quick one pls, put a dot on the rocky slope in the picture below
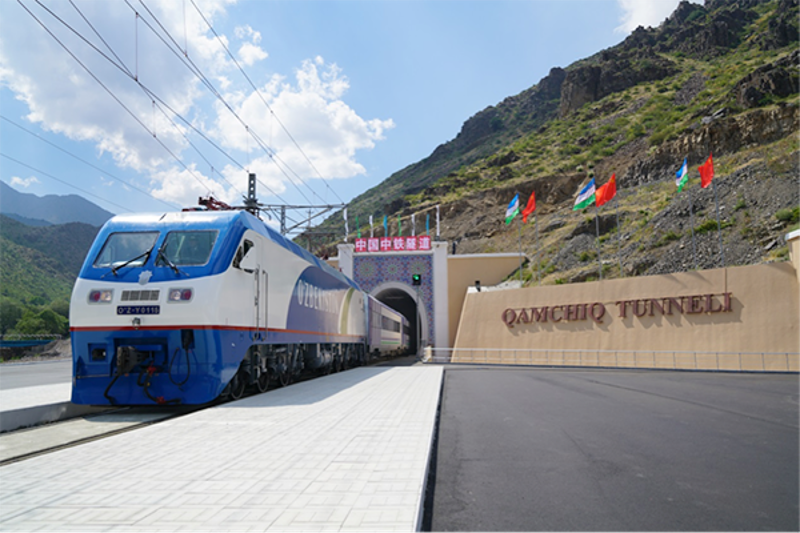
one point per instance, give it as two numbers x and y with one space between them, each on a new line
720 78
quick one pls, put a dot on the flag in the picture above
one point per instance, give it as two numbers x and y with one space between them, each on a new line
585 197
399 226
706 172
413 225
371 233
385 226
428 223
437 221
513 209
346 230
358 228
606 192
529 209
682 176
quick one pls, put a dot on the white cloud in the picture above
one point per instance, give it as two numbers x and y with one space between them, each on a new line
62 97
185 186
647 13
250 53
328 130
24 182
243 32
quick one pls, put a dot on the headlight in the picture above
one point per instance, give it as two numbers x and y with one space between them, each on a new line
180 295
101 296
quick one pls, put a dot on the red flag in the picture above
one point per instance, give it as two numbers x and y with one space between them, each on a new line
706 172
607 191
530 208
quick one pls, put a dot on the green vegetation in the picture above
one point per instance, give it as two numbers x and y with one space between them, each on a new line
789 216
711 225
38 267
668 238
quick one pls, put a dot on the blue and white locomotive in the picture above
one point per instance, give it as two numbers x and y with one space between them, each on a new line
187 307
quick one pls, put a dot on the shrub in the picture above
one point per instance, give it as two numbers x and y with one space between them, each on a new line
788 216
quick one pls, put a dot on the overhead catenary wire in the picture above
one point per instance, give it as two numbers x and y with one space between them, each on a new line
122 67
114 96
105 172
43 173
126 71
204 79
266 104
147 91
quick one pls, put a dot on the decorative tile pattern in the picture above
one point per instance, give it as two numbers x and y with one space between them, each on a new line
372 270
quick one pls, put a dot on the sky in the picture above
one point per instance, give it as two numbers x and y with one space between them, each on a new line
146 105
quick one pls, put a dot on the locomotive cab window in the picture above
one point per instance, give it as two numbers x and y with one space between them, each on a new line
241 252
128 248
186 248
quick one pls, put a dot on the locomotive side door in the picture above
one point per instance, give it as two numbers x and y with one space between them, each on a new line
251 263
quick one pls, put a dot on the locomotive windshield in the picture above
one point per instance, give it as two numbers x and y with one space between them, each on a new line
186 248
126 248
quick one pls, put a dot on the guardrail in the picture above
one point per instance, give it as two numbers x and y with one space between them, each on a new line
652 359
22 340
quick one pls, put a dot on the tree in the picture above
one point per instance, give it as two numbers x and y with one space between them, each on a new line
10 313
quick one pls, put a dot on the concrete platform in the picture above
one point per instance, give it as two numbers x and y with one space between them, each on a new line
345 452
30 406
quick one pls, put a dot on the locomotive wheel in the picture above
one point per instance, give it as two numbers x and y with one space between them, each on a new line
262 383
238 384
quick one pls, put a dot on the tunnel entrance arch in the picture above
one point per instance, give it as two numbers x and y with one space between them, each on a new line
403 298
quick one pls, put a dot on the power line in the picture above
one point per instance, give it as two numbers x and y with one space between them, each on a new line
204 79
86 162
263 100
152 95
43 173
110 92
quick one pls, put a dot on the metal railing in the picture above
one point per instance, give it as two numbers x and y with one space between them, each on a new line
652 359
24 340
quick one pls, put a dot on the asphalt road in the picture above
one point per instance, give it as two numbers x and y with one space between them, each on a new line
580 450
35 373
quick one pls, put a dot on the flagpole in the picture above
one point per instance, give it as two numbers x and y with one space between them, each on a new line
719 226
536 226
519 225
597 241
619 239
691 222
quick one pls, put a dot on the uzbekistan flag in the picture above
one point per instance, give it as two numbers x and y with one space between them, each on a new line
585 197
682 176
513 209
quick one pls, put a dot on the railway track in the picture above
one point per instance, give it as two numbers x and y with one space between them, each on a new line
31 442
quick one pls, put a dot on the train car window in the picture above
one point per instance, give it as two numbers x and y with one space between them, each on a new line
187 248
123 247
390 325
241 252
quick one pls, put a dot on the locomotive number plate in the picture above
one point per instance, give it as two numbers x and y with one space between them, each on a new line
138 309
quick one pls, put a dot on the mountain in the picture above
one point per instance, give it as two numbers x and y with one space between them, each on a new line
38 265
53 209
718 78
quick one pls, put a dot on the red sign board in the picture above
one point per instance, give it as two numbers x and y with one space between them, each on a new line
421 243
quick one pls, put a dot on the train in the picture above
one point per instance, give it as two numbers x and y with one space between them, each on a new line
189 307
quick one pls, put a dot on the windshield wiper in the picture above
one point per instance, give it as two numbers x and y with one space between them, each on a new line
163 256
114 268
